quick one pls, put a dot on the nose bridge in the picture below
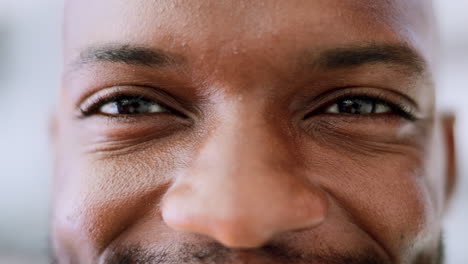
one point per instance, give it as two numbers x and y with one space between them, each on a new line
248 142
243 186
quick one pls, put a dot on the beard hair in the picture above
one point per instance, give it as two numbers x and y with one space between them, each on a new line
215 253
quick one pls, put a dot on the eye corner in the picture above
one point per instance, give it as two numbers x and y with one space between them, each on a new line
83 113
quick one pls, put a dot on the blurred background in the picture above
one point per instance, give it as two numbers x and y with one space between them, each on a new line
29 80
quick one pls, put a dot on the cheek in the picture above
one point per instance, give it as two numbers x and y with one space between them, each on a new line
385 194
397 201
99 195
400 208
379 178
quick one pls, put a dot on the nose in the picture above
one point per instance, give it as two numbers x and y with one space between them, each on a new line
243 188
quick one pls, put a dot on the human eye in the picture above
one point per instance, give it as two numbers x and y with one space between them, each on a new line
124 102
369 106
132 114
363 118
131 105
363 106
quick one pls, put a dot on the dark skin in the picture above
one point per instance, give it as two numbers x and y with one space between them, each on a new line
250 132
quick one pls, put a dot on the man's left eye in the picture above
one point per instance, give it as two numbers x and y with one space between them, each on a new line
359 106
131 106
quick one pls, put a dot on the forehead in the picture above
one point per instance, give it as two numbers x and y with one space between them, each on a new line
210 23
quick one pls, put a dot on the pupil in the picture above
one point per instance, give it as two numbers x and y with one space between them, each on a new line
357 106
133 106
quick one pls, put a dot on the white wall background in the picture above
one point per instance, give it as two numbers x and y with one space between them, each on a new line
29 73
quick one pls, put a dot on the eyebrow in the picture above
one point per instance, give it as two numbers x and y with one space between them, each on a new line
355 56
126 54
333 58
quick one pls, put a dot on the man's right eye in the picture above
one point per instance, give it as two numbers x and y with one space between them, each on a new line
131 105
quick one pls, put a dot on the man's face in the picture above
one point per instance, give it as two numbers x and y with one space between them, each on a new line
249 132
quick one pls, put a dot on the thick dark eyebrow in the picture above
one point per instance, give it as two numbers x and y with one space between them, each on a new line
335 58
354 56
126 54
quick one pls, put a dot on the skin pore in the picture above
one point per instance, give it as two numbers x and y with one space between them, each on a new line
260 132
